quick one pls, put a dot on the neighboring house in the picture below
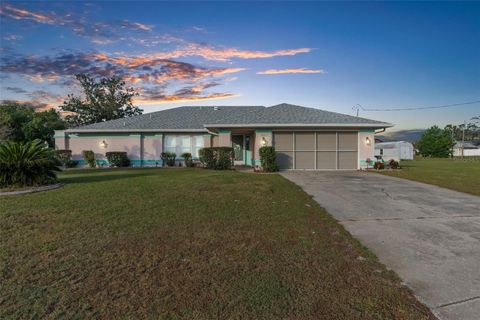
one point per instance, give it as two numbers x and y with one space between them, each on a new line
396 150
467 149
305 138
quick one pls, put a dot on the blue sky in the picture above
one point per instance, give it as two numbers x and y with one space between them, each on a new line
326 55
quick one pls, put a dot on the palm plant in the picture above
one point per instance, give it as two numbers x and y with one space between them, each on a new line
27 164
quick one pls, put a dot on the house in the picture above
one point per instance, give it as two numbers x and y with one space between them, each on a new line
305 138
396 150
466 149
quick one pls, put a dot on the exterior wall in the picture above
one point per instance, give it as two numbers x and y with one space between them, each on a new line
215 141
457 152
152 146
207 140
365 150
61 140
257 143
225 138
132 144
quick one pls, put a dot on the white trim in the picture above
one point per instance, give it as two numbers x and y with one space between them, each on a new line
294 165
133 130
315 148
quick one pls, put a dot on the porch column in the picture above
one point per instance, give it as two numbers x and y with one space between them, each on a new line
225 138
366 148
262 138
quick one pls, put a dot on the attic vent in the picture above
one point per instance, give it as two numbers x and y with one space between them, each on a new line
150 116
124 123
215 108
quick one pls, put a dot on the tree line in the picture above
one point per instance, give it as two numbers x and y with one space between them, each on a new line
101 100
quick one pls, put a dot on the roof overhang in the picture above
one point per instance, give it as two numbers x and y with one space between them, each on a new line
302 125
131 130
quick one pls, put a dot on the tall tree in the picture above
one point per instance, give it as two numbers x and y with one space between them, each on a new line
20 123
103 100
436 142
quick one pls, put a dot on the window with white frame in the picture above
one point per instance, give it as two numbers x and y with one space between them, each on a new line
183 143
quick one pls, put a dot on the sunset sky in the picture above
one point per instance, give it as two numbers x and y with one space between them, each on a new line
330 56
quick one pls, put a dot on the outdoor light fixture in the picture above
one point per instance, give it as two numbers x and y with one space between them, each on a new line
103 144
367 141
264 141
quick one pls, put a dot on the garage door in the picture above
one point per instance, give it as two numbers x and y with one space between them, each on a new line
316 149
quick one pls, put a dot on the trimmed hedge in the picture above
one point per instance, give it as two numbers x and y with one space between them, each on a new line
118 159
187 157
268 159
169 158
65 158
89 157
217 158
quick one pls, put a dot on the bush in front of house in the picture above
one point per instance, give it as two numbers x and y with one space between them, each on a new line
27 164
268 159
217 158
65 158
117 159
393 164
169 158
379 165
89 157
187 157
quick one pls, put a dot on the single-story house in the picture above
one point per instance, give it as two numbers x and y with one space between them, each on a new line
466 149
304 138
396 150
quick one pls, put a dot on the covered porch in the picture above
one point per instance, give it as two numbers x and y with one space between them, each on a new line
245 142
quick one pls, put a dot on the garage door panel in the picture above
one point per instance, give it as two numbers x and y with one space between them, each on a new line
326 141
347 141
305 141
326 160
283 141
285 160
347 160
304 160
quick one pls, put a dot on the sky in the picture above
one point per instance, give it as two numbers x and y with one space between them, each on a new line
326 55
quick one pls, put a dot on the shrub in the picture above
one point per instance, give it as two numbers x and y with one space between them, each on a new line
393 164
71 164
187 157
379 165
64 156
207 158
169 158
218 158
27 164
268 159
117 159
89 157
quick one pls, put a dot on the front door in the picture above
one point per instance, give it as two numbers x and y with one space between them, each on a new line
237 143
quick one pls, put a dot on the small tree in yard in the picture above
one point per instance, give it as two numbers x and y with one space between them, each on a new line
436 142
268 158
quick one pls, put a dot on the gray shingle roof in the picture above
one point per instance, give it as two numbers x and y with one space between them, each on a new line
197 118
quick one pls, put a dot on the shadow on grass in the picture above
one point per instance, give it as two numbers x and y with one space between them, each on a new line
92 176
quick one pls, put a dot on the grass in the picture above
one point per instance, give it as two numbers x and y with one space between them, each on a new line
189 244
457 174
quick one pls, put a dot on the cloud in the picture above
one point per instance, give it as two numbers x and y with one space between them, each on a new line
291 70
96 32
16 90
38 106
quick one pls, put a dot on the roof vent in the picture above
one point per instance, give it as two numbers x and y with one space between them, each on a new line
124 123
215 108
150 116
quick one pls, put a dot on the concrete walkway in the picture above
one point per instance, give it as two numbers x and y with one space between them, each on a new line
428 235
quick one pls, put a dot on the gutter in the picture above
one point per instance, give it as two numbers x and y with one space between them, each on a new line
305 125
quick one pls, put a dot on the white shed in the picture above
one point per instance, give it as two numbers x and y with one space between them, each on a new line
467 149
397 150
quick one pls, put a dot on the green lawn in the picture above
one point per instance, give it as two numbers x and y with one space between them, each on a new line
190 244
457 174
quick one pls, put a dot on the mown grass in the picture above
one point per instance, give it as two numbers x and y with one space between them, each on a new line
452 173
190 244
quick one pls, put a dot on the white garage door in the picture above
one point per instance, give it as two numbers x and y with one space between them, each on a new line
319 150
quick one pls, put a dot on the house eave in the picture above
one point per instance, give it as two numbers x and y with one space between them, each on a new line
132 130
302 125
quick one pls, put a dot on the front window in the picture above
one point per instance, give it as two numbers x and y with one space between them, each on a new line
183 143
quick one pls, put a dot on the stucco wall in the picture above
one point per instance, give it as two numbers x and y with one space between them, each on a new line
366 151
259 135
152 149
225 138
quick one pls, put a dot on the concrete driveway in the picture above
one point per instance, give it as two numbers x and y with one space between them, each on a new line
428 235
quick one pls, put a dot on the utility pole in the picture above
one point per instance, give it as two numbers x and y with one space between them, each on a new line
463 137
